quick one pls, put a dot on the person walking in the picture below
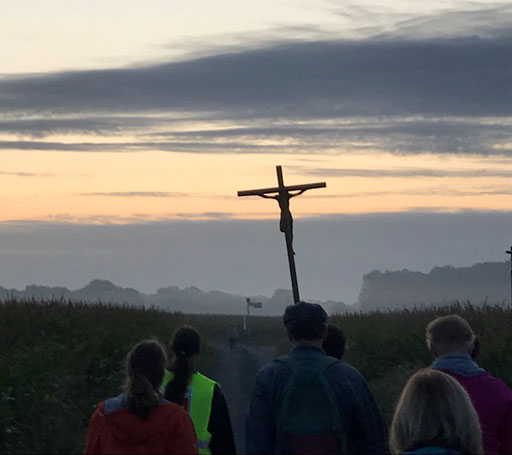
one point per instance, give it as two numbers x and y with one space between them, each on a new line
435 415
452 343
334 343
140 421
232 337
199 395
310 403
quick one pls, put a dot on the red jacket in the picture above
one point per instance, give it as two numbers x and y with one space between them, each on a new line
168 429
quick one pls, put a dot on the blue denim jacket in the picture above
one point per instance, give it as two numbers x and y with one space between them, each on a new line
366 432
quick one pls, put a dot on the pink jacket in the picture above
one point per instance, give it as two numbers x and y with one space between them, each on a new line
491 398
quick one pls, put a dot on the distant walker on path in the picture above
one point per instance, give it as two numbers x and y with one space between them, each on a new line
232 337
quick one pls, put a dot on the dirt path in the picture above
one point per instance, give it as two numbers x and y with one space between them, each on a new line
235 372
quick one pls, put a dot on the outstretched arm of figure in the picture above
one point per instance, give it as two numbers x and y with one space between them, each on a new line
266 196
298 193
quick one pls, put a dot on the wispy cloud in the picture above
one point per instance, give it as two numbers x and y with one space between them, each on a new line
406 172
27 174
447 192
398 135
485 136
44 125
207 215
68 218
142 146
141 218
471 20
132 194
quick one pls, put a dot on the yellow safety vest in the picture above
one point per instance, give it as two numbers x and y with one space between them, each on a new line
198 403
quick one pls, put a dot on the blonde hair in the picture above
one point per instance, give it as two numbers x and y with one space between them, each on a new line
434 410
450 334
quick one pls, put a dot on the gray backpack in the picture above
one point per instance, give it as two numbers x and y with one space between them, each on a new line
309 421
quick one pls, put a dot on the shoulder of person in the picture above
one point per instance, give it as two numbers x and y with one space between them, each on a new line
171 410
345 369
99 410
268 371
501 388
346 376
112 404
206 379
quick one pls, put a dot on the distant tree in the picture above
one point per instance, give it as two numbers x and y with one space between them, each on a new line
487 282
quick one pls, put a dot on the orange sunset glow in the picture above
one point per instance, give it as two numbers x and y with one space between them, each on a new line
152 185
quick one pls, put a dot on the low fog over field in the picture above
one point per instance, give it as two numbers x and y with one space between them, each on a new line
249 257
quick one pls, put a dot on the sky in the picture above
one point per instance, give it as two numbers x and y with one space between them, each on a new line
127 116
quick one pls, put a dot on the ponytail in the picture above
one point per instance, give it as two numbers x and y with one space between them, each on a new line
185 343
145 366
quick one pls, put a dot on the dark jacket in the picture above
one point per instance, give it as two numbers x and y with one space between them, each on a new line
219 425
365 430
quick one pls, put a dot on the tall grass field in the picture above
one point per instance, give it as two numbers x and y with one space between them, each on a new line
57 360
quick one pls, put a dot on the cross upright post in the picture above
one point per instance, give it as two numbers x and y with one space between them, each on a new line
510 252
282 194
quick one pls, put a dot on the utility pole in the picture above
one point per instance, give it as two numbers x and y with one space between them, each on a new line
282 194
510 253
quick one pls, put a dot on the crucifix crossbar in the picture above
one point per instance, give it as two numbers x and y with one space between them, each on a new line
282 194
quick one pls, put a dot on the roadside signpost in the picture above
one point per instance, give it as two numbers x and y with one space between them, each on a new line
246 316
282 194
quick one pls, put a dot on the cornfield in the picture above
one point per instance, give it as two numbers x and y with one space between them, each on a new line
58 359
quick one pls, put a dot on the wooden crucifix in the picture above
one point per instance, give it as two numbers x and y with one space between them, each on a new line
282 194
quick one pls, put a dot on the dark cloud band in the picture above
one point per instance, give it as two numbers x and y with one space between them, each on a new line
401 93
466 76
